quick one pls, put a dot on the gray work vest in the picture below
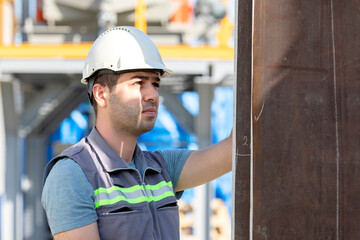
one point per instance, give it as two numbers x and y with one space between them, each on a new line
129 206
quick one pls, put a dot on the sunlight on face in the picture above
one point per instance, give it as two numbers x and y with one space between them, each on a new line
134 101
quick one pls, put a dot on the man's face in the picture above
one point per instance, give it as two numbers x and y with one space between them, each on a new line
134 102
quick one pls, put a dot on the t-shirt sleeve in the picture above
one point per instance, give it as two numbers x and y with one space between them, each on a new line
68 197
175 160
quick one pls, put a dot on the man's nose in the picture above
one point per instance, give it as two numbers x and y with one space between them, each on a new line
150 93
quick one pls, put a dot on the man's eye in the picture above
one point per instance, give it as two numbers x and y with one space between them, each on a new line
138 83
157 85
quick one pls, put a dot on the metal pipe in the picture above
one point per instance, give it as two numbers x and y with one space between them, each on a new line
140 15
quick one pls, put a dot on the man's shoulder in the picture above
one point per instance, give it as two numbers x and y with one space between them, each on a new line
166 154
73 150
172 154
66 163
67 188
65 167
67 157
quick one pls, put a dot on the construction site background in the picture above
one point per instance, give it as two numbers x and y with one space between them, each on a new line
196 32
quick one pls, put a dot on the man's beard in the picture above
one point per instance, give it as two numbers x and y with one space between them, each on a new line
125 117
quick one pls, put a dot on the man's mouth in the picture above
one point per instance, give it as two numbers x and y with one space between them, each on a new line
150 111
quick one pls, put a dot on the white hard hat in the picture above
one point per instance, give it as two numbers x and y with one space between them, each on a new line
123 49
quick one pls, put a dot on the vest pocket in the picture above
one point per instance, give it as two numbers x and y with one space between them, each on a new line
121 210
168 215
168 205
125 223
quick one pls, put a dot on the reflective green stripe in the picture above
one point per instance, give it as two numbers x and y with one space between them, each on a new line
113 188
160 197
134 194
134 201
159 185
133 188
118 199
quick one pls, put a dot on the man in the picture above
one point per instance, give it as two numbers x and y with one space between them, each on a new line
105 187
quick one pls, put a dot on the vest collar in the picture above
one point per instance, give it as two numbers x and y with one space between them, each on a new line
109 158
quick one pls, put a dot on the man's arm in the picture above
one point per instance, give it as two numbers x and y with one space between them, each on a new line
87 232
68 199
205 165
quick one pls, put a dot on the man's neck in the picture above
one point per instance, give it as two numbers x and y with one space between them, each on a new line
123 144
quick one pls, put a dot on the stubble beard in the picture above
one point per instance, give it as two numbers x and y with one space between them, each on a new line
127 118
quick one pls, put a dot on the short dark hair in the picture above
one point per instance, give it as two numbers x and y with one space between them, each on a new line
107 80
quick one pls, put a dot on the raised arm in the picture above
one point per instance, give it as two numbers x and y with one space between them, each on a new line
205 165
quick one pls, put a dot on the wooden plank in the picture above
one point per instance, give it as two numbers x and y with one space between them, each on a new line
305 114
294 129
347 69
241 153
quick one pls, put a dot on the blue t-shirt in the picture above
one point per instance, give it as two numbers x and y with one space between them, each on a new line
68 197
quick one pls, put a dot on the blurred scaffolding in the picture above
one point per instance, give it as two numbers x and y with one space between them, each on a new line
44 107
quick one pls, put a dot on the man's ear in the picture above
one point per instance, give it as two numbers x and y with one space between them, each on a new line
100 95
